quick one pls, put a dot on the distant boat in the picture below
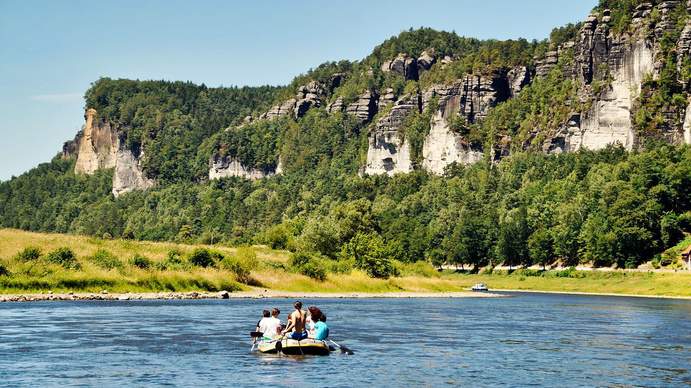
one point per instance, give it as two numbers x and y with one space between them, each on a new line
480 287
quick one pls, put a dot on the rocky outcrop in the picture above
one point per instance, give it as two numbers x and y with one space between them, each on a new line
518 78
283 109
687 124
684 51
308 96
442 147
471 96
97 147
545 65
389 151
426 60
365 107
403 65
128 175
227 166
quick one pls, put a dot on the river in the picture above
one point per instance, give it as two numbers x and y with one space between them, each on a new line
521 340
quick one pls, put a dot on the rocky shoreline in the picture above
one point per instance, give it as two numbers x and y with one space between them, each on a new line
256 294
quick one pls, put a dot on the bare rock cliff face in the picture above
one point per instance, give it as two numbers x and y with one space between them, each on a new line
98 146
388 151
609 119
128 175
225 167
443 147
687 125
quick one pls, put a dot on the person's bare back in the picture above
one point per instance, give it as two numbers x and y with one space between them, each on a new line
299 321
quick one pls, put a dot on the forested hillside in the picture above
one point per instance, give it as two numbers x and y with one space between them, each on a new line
345 161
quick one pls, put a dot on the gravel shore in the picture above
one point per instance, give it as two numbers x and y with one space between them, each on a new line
254 294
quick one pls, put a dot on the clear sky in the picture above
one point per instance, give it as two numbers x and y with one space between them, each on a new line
50 50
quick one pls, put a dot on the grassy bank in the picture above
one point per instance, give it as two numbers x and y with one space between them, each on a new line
270 270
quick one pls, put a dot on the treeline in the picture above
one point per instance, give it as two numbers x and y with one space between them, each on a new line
607 207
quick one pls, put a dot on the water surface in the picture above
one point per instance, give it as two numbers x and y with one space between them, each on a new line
527 339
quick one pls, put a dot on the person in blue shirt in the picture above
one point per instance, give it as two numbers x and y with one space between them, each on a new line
318 330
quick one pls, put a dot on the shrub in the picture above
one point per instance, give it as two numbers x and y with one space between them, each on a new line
28 254
242 263
174 261
201 257
65 257
3 270
570 272
106 260
308 264
419 268
275 236
141 262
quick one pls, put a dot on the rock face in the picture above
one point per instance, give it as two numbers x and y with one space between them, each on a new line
365 107
128 175
442 147
471 96
518 78
224 167
687 125
403 65
426 60
389 152
99 146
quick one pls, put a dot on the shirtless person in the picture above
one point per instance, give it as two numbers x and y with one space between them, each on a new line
296 324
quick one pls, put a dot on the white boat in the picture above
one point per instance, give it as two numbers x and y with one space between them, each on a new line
480 287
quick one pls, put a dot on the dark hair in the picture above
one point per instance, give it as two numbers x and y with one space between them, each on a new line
322 318
315 312
275 312
298 305
266 313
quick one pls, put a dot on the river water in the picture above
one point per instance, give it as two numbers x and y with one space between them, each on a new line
522 340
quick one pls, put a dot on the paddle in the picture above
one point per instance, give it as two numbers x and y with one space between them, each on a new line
343 348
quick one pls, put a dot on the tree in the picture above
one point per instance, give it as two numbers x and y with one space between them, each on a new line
540 247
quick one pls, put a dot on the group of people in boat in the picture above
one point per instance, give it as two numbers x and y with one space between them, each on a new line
301 324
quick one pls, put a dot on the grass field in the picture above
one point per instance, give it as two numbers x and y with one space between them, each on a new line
40 275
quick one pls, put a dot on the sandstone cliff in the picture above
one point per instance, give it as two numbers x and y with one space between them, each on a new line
98 146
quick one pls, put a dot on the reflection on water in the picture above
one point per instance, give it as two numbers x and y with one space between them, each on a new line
522 340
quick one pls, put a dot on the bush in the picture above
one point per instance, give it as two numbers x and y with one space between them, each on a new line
570 272
3 270
141 262
28 254
201 257
275 236
106 260
174 261
309 265
242 263
65 257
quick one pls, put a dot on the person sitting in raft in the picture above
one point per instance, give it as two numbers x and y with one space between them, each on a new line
265 314
320 330
296 323
270 326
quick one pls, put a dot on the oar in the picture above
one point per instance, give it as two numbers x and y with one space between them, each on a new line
343 348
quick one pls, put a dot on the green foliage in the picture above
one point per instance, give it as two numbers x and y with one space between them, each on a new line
371 255
63 256
3 270
173 262
141 262
30 253
201 257
308 264
242 263
106 260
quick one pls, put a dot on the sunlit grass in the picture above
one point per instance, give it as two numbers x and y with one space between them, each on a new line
273 273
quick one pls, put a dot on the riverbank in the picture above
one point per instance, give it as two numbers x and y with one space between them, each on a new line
254 294
119 276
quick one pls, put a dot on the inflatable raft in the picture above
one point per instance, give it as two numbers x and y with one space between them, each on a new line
293 347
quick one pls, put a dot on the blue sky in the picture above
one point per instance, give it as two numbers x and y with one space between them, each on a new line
50 51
